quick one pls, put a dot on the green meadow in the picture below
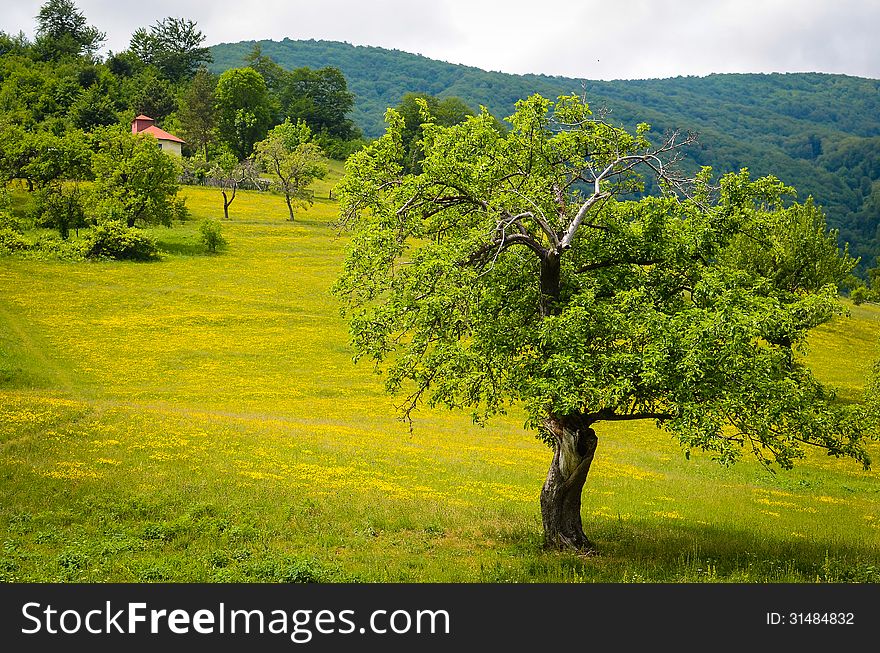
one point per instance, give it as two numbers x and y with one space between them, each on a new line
200 419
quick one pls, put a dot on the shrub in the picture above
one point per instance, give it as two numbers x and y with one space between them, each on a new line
11 241
858 295
180 209
212 239
9 221
114 241
862 294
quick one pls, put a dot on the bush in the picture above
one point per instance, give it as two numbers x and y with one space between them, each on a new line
9 221
858 295
212 239
11 241
114 241
180 209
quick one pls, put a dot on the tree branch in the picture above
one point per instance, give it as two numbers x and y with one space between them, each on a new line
609 415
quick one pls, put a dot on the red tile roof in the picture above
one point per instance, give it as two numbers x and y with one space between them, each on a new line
161 134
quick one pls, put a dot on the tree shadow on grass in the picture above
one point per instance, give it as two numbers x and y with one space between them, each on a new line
178 248
647 551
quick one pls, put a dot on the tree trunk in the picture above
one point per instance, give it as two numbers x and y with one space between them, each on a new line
561 496
289 207
550 283
226 203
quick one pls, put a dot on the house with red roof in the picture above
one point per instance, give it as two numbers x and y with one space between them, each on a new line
167 142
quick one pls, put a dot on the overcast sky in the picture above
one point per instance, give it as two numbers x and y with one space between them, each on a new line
589 39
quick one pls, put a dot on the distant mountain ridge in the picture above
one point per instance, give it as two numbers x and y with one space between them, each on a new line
817 132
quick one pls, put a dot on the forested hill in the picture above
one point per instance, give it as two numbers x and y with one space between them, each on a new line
817 132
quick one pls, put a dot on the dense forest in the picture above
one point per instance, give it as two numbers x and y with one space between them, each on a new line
820 133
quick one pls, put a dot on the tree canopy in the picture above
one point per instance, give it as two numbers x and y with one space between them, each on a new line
63 29
135 182
173 45
320 98
448 111
244 109
197 112
511 269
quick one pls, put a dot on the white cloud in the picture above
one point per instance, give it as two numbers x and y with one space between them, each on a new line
594 39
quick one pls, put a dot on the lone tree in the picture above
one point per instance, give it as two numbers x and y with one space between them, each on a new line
135 182
517 268
229 174
294 161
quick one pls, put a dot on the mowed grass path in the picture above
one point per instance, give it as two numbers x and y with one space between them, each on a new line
199 419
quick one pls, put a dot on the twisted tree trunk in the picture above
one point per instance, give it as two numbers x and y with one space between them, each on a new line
561 496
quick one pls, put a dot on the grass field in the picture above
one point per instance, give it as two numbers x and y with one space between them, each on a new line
199 419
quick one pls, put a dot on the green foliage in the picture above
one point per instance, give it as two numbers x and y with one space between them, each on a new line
60 207
511 271
197 112
289 154
41 157
93 108
173 46
211 235
7 219
792 247
134 180
11 240
112 240
244 109
339 149
320 98
62 29
154 96
416 108
860 295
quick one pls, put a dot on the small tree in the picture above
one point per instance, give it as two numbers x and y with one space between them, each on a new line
228 174
62 207
211 235
134 180
512 269
289 155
